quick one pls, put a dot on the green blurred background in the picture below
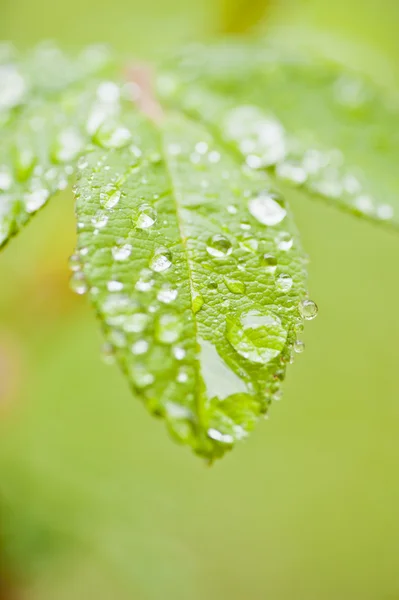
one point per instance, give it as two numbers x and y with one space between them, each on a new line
96 501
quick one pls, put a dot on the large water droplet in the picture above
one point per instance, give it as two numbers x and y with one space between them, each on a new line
219 246
108 353
111 199
114 286
258 337
146 217
267 208
292 171
162 260
168 328
308 309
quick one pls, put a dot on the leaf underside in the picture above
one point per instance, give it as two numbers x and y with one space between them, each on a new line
46 103
308 121
195 269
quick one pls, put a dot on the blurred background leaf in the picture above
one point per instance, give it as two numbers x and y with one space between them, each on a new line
96 502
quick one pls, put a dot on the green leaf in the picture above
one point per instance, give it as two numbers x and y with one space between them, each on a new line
195 269
308 121
50 106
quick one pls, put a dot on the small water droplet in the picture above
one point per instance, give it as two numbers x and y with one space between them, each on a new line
5 178
99 220
201 147
267 208
292 171
271 263
136 323
167 294
232 210
182 376
145 283
218 436
146 217
74 262
82 163
284 241
168 328
214 157
108 353
112 199
284 283
35 200
235 286
162 260
140 347
308 309
68 145
78 283
114 286
219 246
179 353
299 346
112 137
121 253
141 377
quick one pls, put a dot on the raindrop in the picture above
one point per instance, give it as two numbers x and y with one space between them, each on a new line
197 302
179 353
78 283
284 241
308 309
114 286
284 283
384 212
235 287
168 329
258 337
291 171
140 347
112 199
68 145
145 283
267 208
108 353
74 262
136 323
162 260
146 217
121 253
35 200
270 262
299 346
141 377
218 436
5 178
99 220
232 210
182 376
219 246
167 294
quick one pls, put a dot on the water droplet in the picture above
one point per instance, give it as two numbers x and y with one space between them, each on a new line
111 200
308 309
112 137
182 376
146 217
167 294
292 171
232 210
145 283
270 262
179 353
235 287
68 145
136 323
140 347
219 246
257 337
284 283
299 347
108 92
214 157
99 220
364 204
162 260
267 208
197 302
74 262
108 353
384 212
35 200
218 436
5 178
78 283
168 329
82 163
141 377
249 244
114 286
121 253
284 241
201 147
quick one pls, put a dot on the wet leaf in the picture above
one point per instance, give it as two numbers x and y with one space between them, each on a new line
50 108
308 121
180 274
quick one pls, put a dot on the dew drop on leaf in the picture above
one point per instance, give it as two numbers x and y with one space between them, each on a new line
140 347
168 329
162 260
258 337
284 283
299 347
219 246
35 200
308 309
267 208
121 253
284 241
146 217
78 283
271 263
235 286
